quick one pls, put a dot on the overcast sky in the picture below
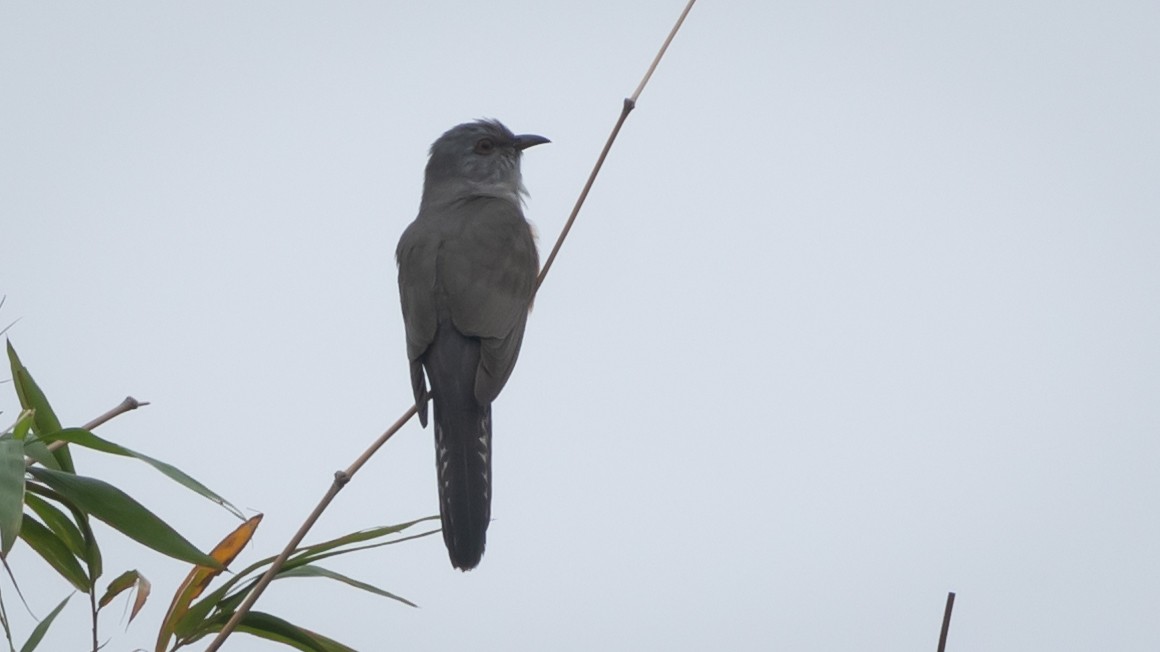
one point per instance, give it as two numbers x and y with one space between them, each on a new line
864 309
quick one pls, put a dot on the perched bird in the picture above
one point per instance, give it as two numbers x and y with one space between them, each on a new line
467 273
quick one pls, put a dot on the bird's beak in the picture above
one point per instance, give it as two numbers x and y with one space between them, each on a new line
524 141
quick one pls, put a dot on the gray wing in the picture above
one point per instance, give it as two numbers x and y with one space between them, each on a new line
488 271
416 256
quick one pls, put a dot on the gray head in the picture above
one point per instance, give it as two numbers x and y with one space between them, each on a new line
476 159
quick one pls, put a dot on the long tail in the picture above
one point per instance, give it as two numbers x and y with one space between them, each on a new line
462 445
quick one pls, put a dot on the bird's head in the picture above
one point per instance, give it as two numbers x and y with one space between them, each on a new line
475 159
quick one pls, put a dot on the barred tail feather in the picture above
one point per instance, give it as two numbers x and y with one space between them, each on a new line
462 444
463 456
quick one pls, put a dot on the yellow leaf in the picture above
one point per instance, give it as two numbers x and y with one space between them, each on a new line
200 577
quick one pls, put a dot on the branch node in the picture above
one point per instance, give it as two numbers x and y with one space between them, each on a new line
131 403
341 478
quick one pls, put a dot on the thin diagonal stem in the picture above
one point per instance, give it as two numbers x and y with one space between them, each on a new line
946 625
628 107
340 480
343 477
661 52
124 406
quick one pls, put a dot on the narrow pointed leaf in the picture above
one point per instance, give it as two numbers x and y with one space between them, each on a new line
23 425
314 557
116 508
194 618
55 552
86 438
89 552
358 537
32 398
130 579
144 588
318 571
272 628
39 453
58 522
119 585
312 553
11 492
199 578
41 628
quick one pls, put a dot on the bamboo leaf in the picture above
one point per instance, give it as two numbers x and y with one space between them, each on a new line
355 537
41 628
32 398
195 618
82 437
39 453
11 492
310 570
116 508
272 628
88 551
119 585
130 579
58 522
200 577
311 558
23 425
55 552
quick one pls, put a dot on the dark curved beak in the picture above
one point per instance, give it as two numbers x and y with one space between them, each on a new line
524 141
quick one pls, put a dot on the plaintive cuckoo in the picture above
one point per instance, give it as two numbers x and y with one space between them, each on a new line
467 273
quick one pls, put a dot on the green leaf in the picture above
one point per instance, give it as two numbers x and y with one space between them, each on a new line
42 627
23 425
58 522
113 506
318 571
313 552
88 551
125 581
272 628
313 557
11 492
119 585
38 451
32 398
195 618
82 437
55 552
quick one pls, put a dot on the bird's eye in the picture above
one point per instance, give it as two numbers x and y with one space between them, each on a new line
484 146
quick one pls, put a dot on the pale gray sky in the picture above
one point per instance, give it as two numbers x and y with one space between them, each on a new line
862 310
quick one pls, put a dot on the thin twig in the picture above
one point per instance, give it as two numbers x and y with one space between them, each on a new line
127 405
660 53
946 626
124 406
341 478
629 105
93 611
